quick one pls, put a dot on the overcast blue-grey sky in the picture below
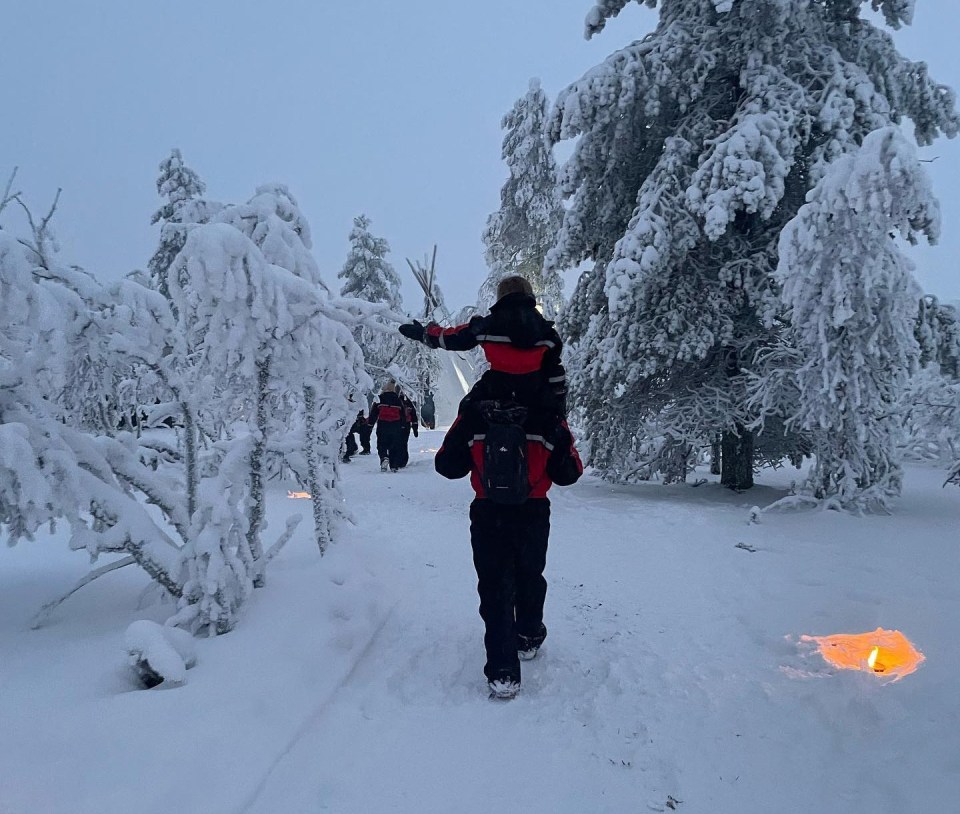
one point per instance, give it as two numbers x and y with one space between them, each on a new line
384 107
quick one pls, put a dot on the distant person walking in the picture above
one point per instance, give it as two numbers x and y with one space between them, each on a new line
386 415
408 423
428 412
363 429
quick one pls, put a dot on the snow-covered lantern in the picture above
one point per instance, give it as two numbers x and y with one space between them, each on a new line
883 652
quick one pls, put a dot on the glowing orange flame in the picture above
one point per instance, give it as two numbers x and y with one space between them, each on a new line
298 495
883 651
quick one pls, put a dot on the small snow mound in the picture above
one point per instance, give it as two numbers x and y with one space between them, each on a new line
159 654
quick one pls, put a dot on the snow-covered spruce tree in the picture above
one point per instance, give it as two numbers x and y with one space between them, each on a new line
519 234
695 146
183 190
851 301
368 276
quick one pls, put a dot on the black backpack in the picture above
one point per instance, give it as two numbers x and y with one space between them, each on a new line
505 469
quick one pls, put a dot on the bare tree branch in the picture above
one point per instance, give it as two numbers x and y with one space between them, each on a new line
40 233
43 615
7 195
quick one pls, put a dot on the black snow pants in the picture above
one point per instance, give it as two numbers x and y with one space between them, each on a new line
364 433
509 552
389 442
404 446
351 447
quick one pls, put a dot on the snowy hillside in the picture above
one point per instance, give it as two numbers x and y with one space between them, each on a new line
672 677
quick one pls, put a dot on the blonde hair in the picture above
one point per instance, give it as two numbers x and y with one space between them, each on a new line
390 386
514 284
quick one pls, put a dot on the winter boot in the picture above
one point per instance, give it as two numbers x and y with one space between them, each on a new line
504 687
384 465
529 646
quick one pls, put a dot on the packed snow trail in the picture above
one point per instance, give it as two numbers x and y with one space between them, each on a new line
415 721
666 674
672 670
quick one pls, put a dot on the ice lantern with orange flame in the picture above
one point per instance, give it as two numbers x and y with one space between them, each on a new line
883 652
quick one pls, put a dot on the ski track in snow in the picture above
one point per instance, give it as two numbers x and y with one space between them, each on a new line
313 719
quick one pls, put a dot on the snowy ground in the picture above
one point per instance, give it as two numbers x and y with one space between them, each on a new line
671 672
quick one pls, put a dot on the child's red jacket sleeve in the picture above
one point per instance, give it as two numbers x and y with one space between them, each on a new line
459 338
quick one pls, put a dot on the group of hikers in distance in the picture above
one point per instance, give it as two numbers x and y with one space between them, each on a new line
395 417
511 437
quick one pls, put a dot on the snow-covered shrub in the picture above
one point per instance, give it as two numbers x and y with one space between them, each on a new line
159 654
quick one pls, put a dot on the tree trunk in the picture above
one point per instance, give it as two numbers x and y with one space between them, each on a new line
321 523
190 459
736 470
715 456
256 476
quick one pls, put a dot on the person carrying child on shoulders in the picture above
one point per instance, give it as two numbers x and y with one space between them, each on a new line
512 439
522 348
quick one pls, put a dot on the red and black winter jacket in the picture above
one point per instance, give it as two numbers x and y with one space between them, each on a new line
551 454
387 411
515 338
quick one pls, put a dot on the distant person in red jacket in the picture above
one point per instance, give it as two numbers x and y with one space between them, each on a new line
522 348
513 455
386 414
